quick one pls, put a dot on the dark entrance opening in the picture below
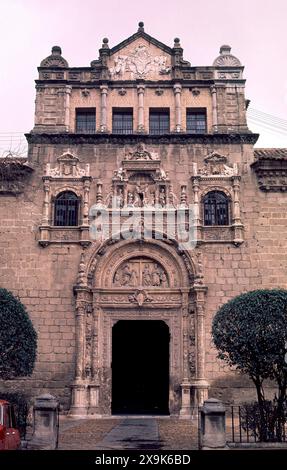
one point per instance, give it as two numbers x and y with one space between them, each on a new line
140 367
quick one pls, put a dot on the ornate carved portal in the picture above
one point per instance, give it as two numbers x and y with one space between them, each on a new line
138 281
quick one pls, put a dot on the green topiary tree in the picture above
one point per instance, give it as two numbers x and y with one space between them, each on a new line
18 339
250 333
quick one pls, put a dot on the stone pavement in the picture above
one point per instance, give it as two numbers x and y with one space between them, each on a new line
132 434
128 433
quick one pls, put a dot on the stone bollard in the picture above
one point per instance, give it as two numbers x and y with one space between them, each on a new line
46 428
212 430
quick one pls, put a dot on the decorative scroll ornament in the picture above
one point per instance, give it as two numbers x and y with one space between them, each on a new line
217 165
68 167
139 64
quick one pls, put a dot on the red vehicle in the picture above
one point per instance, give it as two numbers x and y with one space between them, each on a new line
9 434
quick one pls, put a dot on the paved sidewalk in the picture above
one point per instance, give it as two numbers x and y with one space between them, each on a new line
152 433
132 434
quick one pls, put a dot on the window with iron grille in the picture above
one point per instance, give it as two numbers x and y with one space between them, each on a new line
122 121
66 209
159 121
196 121
216 208
86 121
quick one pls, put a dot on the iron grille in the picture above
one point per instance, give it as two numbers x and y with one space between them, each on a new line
86 122
196 122
66 210
216 209
159 122
122 122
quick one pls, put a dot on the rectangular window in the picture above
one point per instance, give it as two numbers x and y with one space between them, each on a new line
196 121
159 121
122 120
86 121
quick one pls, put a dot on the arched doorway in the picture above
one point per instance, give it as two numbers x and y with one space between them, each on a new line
140 367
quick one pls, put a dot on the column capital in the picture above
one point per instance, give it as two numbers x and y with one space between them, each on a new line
213 88
140 89
104 89
177 88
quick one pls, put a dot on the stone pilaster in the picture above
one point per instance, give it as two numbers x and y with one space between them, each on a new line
214 108
80 401
140 90
185 411
236 223
177 89
200 385
103 122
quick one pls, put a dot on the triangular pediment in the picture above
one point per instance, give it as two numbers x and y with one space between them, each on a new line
141 35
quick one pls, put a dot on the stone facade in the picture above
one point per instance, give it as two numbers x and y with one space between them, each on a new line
77 286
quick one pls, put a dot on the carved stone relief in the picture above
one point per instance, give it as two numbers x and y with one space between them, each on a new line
141 154
140 63
216 165
68 167
140 272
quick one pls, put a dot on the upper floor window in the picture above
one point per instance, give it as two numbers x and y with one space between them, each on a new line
159 121
66 209
216 208
86 120
122 120
196 121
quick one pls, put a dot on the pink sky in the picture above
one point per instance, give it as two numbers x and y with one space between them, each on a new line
255 30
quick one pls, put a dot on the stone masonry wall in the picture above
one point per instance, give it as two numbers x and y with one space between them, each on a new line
43 278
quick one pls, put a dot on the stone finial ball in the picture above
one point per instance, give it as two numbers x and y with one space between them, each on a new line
105 40
56 50
176 40
141 24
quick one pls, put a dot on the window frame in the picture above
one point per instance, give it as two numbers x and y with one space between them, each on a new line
123 130
87 112
216 209
159 112
195 112
77 210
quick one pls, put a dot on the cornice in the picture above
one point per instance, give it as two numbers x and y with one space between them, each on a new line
103 138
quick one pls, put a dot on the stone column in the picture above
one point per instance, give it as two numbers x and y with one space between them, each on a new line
45 219
94 387
236 207
68 91
177 95
86 202
214 108
185 411
80 341
237 224
200 384
104 92
140 90
196 205
79 405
